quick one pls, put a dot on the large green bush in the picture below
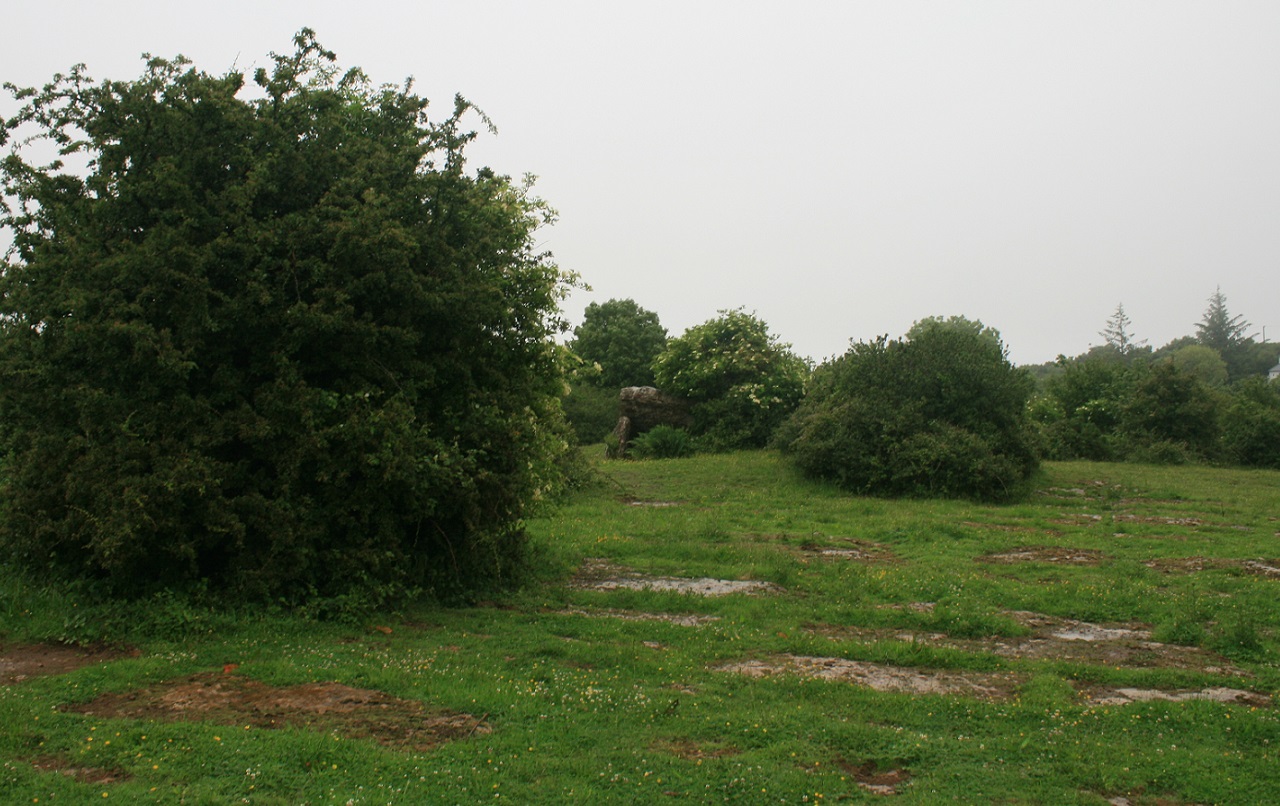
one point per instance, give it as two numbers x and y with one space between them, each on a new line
1081 410
282 346
942 414
742 382
1251 424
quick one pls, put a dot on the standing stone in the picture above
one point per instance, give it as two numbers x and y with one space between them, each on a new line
640 408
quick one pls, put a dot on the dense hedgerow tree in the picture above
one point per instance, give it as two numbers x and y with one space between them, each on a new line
623 338
741 379
1171 416
940 414
1081 409
282 346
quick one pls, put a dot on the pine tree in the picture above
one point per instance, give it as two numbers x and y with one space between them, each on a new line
1226 334
1118 334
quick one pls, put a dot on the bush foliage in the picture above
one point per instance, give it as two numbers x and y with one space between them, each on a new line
286 347
942 414
622 339
1163 412
742 382
663 442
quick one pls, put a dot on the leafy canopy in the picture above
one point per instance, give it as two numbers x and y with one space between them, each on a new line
942 413
623 339
283 346
741 380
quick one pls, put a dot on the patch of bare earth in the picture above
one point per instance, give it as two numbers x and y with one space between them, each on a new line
330 707
692 751
1186 565
599 574
881 677
871 778
1266 568
85 775
1128 645
681 619
1059 555
849 549
818 545
19 662
1191 565
1124 696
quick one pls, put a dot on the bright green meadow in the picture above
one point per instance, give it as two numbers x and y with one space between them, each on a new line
596 684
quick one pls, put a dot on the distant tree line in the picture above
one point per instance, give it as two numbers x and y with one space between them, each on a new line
1201 398
950 414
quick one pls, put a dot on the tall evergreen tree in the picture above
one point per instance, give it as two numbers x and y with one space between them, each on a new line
1118 333
1226 334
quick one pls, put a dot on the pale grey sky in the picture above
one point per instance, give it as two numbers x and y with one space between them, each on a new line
840 168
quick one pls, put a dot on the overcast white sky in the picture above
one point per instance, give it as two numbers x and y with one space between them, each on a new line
840 168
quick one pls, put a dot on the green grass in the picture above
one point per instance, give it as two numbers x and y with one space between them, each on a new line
598 709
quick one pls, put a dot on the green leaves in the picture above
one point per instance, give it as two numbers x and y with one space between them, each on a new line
942 414
742 380
623 338
283 344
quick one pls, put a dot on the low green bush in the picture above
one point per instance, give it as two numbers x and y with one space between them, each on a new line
663 442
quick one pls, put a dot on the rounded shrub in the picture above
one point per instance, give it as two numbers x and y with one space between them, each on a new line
942 414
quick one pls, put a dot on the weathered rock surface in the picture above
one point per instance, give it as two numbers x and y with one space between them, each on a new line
640 408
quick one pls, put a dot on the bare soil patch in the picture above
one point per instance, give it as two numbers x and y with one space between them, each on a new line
19 662
227 699
849 549
85 775
599 574
871 778
1190 565
1124 696
1266 568
682 619
882 677
1059 555
1128 645
1187 565
692 751
1121 517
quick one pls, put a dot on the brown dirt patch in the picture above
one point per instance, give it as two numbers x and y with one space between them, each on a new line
240 701
691 750
1124 696
19 662
871 778
1265 568
849 549
1128 645
599 574
681 619
882 677
1078 519
85 775
1121 517
1059 555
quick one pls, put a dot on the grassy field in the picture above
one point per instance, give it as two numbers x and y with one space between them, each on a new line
1111 639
